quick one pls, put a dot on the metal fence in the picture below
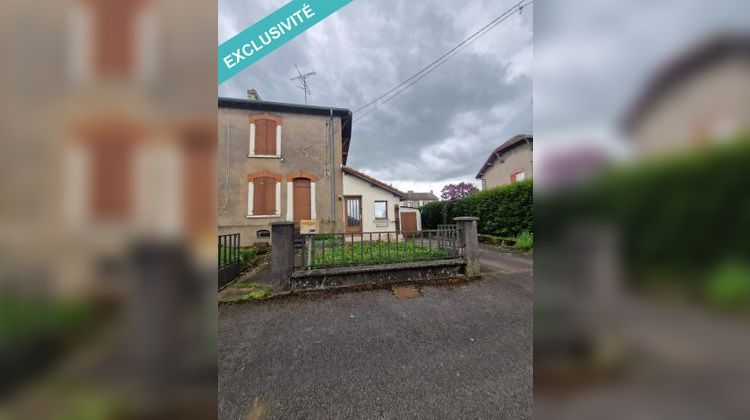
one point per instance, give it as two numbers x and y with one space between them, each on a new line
325 250
228 257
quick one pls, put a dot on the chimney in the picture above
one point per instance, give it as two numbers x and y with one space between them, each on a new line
410 192
253 95
431 192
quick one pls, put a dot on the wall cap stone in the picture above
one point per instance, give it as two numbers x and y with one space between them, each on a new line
374 268
465 219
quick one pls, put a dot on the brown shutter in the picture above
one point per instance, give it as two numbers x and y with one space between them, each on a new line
270 137
264 196
265 137
111 195
258 196
270 196
260 137
114 25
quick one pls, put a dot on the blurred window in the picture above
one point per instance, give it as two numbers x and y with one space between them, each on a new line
518 176
114 36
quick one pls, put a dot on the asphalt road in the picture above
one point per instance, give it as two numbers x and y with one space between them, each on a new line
460 351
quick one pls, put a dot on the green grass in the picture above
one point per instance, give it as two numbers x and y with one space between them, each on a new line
25 319
370 253
525 241
728 289
246 254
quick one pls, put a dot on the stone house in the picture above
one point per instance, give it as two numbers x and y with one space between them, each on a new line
511 162
278 162
697 99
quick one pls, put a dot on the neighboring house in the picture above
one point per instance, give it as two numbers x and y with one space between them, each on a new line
370 205
697 99
418 199
280 162
513 161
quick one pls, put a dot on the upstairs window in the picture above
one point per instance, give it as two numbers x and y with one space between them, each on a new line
265 135
518 176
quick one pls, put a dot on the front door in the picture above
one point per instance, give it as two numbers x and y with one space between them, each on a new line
301 199
353 214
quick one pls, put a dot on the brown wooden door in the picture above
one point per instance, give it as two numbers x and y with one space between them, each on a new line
408 223
353 214
301 199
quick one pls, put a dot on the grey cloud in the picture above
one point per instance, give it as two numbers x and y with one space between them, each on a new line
369 47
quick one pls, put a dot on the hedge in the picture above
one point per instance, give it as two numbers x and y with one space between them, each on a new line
503 211
685 216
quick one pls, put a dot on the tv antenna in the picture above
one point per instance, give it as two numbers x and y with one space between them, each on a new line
303 81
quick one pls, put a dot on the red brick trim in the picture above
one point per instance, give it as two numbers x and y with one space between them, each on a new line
301 174
252 176
274 118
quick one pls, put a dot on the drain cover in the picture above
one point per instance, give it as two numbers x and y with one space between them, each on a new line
406 292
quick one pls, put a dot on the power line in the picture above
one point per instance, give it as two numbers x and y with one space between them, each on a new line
441 60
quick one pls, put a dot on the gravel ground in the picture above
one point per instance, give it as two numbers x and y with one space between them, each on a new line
462 351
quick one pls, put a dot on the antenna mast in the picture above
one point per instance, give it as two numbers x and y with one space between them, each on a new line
303 81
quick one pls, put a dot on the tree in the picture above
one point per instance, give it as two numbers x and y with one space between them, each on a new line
458 191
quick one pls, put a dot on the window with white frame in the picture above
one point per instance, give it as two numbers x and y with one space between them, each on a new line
263 198
381 210
265 136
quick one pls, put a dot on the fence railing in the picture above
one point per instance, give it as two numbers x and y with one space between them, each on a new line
371 248
228 257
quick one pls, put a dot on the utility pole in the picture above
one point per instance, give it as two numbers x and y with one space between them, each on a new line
303 81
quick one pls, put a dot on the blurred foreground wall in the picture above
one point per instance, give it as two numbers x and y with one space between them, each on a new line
107 208
642 275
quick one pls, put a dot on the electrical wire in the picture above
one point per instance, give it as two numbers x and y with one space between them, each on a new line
440 60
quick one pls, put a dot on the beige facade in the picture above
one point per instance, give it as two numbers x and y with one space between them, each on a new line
306 150
375 199
710 105
511 162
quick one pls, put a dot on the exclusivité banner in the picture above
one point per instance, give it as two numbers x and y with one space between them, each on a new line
270 33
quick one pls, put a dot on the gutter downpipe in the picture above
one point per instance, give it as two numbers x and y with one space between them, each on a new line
332 160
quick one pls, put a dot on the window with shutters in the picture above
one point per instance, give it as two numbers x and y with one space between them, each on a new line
115 36
265 136
264 196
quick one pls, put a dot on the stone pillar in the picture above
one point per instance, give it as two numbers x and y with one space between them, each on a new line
282 253
469 241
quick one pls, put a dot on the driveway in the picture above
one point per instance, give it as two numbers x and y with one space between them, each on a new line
457 351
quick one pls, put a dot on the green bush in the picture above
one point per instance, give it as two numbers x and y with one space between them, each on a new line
670 213
524 241
504 211
246 254
729 287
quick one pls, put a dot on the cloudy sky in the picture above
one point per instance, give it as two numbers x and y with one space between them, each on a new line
438 131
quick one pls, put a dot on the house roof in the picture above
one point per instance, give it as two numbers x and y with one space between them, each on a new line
420 196
508 145
679 70
343 113
378 183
